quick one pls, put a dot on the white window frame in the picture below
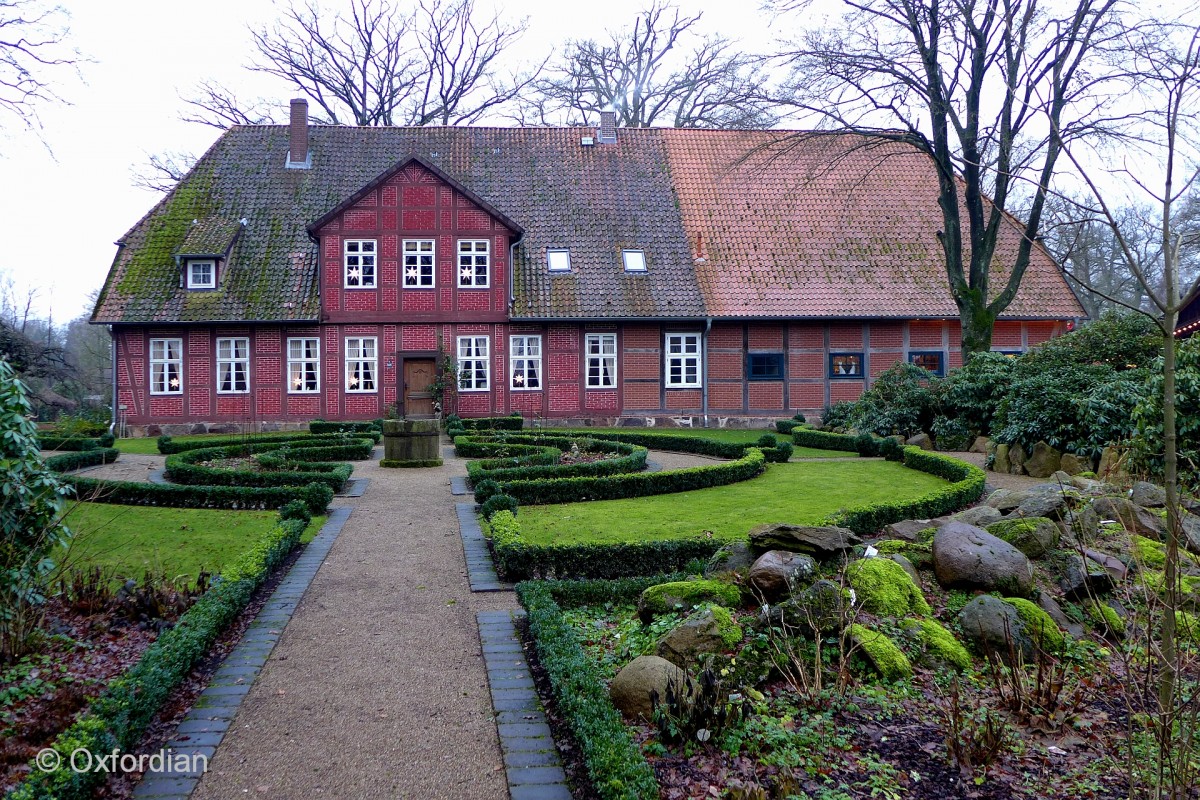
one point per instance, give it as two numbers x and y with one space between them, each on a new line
211 283
525 363
474 364
414 256
298 366
362 364
681 351
361 255
474 264
634 260
162 359
563 261
596 353
235 359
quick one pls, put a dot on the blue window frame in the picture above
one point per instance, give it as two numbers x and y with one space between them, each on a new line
845 365
764 367
932 360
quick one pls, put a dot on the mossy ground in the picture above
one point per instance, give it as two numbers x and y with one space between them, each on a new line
683 595
883 587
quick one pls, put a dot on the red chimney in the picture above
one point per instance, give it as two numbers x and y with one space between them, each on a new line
608 127
298 155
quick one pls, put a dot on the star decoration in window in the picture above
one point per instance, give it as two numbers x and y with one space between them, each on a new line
299 383
353 382
354 274
174 383
465 274
519 379
410 274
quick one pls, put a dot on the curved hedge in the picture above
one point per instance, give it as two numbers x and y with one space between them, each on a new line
48 441
509 423
82 458
317 496
168 446
807 437
320 427
542 491
183 467
545 462
118 718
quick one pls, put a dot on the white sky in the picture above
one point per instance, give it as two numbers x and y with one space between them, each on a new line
62 208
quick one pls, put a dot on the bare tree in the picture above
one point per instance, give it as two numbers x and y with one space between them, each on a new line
377 64
989 90
1163 71
162 171
33 42
660 71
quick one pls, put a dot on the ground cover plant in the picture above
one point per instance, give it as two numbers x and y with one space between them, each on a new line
803 492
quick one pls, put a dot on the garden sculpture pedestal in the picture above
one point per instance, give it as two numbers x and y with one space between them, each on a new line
411 443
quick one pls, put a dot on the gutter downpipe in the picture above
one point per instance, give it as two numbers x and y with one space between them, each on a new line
112 349
708 321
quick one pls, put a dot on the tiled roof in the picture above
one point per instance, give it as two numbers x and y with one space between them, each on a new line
818 230
211 236
830 226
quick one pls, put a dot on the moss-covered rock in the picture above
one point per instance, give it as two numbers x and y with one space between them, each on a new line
1187 625
683 596
888 659
919 554
1033 536
1104 618
1039 625
1148 552
883 587
731 632
939 644
711 629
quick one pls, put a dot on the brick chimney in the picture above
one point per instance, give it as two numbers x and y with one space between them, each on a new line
298 156
607 133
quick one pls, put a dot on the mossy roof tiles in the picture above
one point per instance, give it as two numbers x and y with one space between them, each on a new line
820 229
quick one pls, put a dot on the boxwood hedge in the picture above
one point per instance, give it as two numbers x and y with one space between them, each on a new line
49 441
316 496
545 462
320 426
807 437
120 715
185 467
79 459
168 446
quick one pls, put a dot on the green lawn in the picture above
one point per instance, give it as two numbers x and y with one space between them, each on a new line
129 540
148 445
796 492
733 436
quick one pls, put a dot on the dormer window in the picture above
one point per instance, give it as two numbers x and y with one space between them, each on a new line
634 260
558 260
202 275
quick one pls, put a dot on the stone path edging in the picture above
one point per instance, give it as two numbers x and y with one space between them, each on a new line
531 761
481 572
205 725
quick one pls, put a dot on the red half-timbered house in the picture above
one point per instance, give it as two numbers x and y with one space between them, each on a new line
570 274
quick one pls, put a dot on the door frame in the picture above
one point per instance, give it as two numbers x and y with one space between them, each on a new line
410 355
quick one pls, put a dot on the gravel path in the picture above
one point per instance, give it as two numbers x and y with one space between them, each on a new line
377 686
999 480
129 467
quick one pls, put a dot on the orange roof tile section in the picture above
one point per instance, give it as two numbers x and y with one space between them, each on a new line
823 226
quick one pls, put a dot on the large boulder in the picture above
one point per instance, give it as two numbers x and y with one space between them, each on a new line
1082 523
1044 461
1083 578
979 445
1033 536
1000 459
665 598
709 630
820 542
1148 495
631 690
992 624
921 440
1191 532
822 608
1073 464
1016 459
1132 517
883 587
733 559
970 557
1005 500
1043 501
1047 603
1113 465
979 516
909 529
776 573
887 659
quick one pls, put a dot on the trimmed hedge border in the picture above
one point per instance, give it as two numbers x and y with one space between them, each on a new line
615 764
70 443
120 715
317 496
544 462
543 491
806 437
321 427
82 458
182 467
509 423
168 446
393 463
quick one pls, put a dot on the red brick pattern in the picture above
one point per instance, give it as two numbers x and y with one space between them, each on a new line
806 365
642 336
642 365
303 406
419 196
361 301
725 336
765 337
683 400
600 401
725 396
166 407
806 336
233 405
418 300
887 334
530 402
1038 332
1006 335
199 402
362 406
882 362
725 366
474 300
844 390
806 395
564 367
925 335
845 337
767 395
642 396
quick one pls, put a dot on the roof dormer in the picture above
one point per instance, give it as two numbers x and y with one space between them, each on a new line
204 250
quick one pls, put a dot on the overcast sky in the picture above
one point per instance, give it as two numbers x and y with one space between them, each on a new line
64 202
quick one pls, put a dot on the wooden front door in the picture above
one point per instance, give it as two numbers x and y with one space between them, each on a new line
418 377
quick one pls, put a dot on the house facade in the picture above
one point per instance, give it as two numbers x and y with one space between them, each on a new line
569 274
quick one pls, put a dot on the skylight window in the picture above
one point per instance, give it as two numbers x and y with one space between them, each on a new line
635 260
558 260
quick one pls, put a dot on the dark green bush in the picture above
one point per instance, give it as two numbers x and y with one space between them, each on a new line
805 437
66 462
1107 411
866 445
614 762
499 502
1045 406
891 449
50 442
282 471
837 415
317 496
904 399
1117 340
168 446
1146 445
321 426
120 715
766 440
799 417
666 441
512 423
544 462
786 426
485 489
973 392
951 434
780 453
295 509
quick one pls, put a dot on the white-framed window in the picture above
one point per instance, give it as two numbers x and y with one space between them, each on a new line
233 365
474 263
166 366
601 350
418 263
473 366
202 275
360 263
362 364
304 365
558 260
525 362
634 260
683 360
